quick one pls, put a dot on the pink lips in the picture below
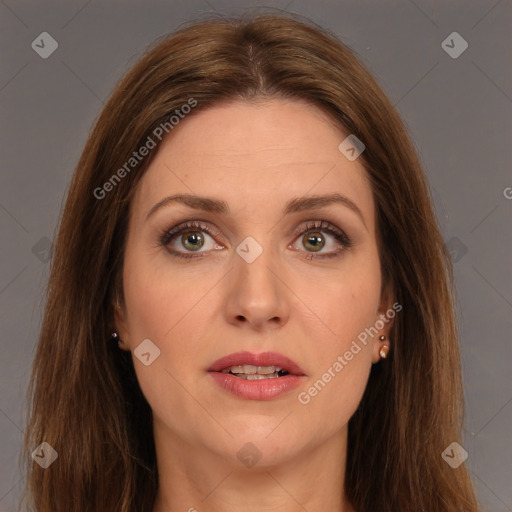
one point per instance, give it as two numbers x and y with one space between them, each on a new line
265 389
263 359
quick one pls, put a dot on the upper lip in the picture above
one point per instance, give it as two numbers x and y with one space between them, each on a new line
262 359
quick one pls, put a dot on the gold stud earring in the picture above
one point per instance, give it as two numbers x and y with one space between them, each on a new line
383 352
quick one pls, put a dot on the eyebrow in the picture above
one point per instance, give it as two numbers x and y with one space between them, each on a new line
298 204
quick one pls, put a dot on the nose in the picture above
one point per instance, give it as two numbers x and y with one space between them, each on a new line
257 296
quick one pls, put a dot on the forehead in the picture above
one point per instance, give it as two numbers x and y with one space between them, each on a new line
255 155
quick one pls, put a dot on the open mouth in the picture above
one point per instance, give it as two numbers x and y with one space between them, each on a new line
242 374
251 372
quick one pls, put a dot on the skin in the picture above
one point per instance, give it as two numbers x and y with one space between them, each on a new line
256 157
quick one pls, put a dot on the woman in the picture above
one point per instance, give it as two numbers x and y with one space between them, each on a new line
250 301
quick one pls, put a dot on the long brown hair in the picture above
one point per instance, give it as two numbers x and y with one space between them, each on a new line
84 397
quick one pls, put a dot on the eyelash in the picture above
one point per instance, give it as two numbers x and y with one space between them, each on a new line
323 226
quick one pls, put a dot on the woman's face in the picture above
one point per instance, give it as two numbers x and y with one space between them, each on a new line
267 270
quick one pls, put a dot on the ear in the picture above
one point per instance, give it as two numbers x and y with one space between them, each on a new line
120 323
384 319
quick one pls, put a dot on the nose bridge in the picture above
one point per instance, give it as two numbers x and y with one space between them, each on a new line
255 262
256 291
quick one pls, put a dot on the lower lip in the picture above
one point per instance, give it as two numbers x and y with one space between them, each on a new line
262 389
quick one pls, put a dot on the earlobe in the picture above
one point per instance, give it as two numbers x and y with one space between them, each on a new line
384 349
120 331
120 343
385 319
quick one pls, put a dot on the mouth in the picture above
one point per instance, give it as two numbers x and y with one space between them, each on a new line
264 376
251 372
249 366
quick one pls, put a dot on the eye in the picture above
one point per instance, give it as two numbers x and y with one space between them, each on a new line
313 238
192 239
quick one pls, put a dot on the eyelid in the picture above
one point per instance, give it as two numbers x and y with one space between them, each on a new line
320 225
199 225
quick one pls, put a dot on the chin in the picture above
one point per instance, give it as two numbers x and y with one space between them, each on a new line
258 443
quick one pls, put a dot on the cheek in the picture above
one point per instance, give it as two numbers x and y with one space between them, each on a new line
343 357
170 310
158 298
342 304
159 311
346 309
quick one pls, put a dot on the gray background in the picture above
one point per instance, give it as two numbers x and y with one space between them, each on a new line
458 111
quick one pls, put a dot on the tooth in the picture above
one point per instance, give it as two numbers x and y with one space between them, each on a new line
265 370
255 376
250 369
